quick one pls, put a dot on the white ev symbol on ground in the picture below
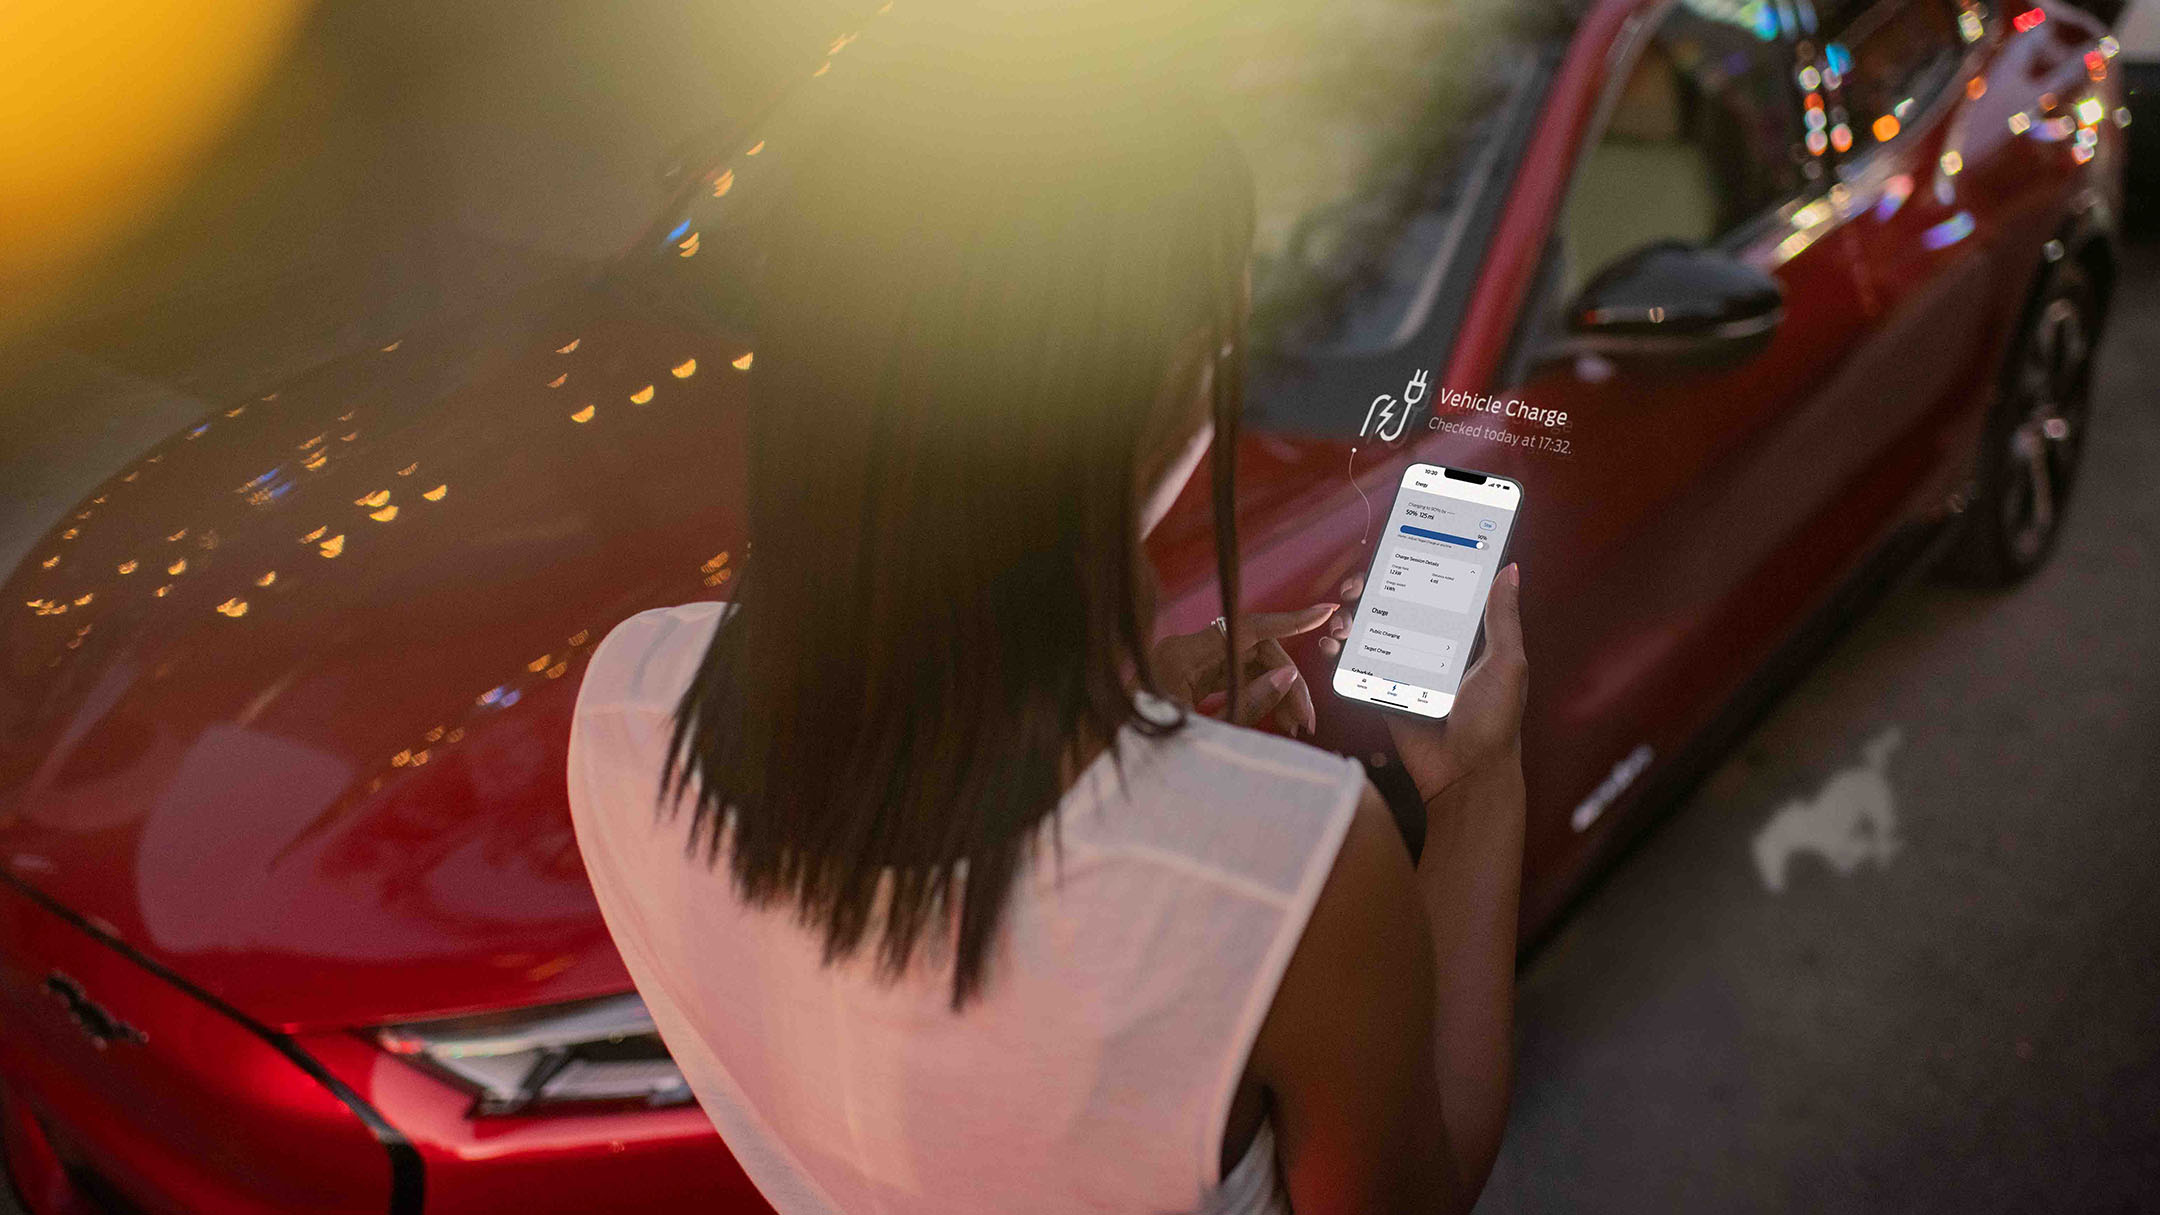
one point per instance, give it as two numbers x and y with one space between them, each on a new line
1853 819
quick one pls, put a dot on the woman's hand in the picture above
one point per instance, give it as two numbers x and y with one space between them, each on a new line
1483 731
1189 667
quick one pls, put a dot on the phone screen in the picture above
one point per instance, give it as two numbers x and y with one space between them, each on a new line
1444 541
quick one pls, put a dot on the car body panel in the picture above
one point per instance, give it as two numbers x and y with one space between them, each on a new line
189 1112
370 757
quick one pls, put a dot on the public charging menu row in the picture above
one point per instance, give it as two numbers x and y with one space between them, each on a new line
1419 614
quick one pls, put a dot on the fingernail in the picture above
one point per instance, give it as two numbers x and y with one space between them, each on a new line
1281 678
1331 607
1514 574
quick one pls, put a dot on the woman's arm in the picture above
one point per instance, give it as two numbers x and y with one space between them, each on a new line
1470 774
1387 1051
1471 876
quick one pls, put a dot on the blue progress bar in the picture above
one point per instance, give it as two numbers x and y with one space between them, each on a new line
1443 537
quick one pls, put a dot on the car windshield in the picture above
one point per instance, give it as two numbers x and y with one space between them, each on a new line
1375 128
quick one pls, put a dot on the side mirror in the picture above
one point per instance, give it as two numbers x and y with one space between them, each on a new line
1671 301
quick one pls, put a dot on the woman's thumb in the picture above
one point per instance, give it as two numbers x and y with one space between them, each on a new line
1503 614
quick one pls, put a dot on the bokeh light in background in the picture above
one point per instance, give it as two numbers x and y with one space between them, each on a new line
104 108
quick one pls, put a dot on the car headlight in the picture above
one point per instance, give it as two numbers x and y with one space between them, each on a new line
586 1052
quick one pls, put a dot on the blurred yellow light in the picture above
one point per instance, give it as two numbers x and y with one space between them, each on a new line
584 415
234 608
1976 88
684 370
377 498
393 346
83 600
127 567
333 546
725 182
236 412
823 68
105 111
436 494
50 562
267 578
1841 137
315 535
409 469
163 591
743 363
1952 163
71 533
2019 123
539 664
177 568
2090 111
567 349
177 536
558 381
1886 128
689 246
385 515
642 395
755 148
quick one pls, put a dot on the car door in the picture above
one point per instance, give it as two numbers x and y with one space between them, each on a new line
1677 483
1962 185
1897 72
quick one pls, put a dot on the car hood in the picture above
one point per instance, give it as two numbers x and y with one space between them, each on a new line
283 703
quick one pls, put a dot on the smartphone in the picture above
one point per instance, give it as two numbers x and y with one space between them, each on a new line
1424 604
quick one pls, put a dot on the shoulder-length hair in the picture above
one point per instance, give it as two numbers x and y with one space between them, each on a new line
981 275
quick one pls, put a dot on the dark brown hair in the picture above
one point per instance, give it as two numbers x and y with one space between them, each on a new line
986 260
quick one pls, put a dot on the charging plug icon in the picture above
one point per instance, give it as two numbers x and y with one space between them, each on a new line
1391 415
1414 391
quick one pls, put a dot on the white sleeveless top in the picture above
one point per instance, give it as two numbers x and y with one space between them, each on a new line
1121 1001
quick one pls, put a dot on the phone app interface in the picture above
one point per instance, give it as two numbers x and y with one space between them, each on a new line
1426 592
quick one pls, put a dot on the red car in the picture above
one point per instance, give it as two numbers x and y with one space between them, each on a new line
1752 296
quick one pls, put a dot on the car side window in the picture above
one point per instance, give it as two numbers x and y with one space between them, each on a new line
1884 61
1704 135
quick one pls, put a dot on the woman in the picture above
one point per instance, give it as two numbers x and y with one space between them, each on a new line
946 905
